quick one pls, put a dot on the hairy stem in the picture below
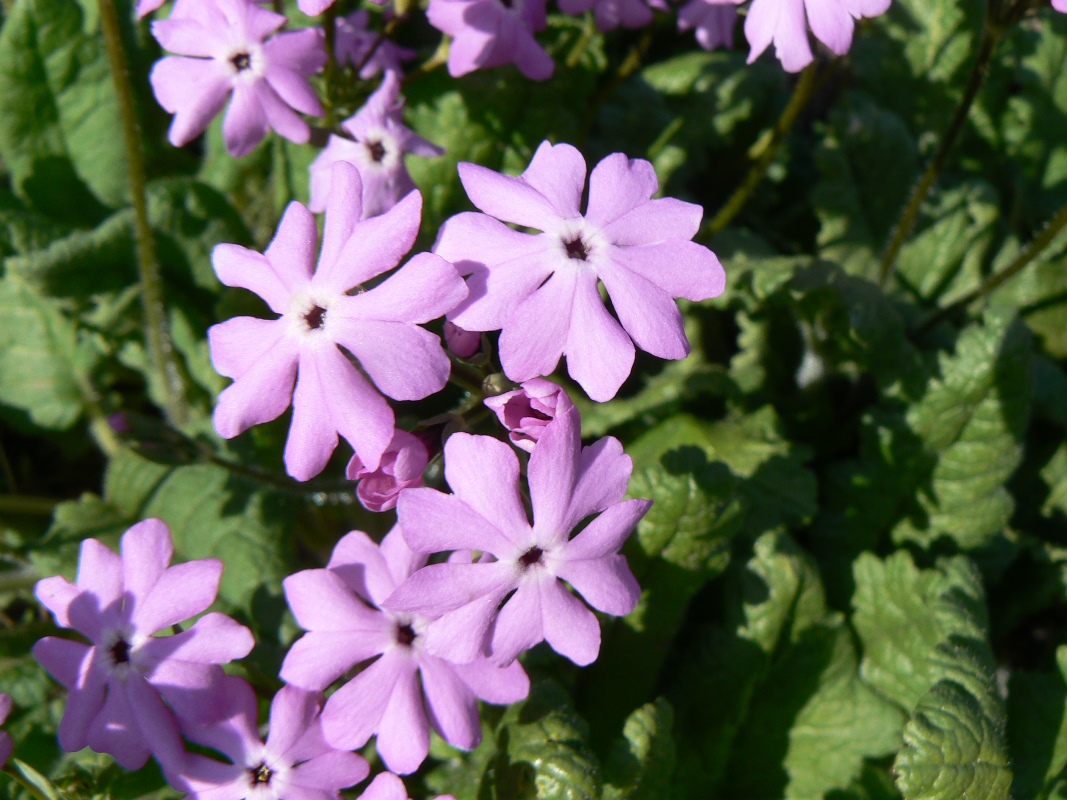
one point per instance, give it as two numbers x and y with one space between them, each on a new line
990 36
157 337
763 153
1025 256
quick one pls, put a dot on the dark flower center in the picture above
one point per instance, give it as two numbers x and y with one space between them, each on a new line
508 3
241 61
376 150
576 249
315 318
120 652
531 557
405 635
260 774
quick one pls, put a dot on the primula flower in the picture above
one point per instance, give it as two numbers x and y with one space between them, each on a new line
783 23
229 53
711 20
491 33
379 142
387 786
510 604
400 468
611 13
318 317
406 689
355 40
527 411
295 763
541 289
117 685
5 738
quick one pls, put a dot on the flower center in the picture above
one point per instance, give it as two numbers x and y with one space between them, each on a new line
405 635
260 774
376 151
120 651
315 318
576 249
241 61
531 557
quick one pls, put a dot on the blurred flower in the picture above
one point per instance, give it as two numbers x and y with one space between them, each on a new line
355 41
611 13
223 49
712 20
491 33
400 468
405 689
117 685
508 605
527 411
318 317
379 142
294 762
541 289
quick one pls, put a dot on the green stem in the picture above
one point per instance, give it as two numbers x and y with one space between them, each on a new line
157 337
763 153
1025 256
580 46
990 36
25 504
467 378
106 438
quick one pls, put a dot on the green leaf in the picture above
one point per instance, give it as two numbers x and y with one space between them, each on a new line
640 763
543 751
59 118
458 773
35 779
972 420
1037 730
925 642
38 357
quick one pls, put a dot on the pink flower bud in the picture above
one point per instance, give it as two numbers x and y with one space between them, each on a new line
463 343
400 468
527 411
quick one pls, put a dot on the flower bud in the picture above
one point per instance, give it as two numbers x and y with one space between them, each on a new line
526 411
463 343
400 468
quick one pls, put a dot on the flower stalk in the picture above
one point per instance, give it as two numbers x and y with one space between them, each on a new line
763 153
157 337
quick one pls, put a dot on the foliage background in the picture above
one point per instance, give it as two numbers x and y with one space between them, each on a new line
854 571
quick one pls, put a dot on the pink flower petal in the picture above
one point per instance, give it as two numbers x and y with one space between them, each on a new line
247 269
264 390
402 560
519 623
450 702
605 583
361 564
292 712
439 588
405 362
115 730
330 772
86 691
655 221
192 89
434 522
56 594
344 206
146 552
536 333
648 314
213 639
831 23
603 476
619 184
403 733
495 684
293 88
245 123
507 198
385 786
291 253
695 273
154 721
484 474
63 658
599 353
239 342
317 659
558 173
552 473
182 591
321 601
461 636
427 287
570 627
280 117
354 712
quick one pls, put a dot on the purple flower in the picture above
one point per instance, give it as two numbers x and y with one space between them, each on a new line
1060 5
340 608
295 763
713 21
5 738
355 40
387 786
318 317
526 412
379 142
400 468
463 343
611 13
542 289
491 33
229 53
118 683
568 483
783 23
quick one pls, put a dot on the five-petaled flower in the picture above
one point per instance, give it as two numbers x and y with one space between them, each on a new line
318 316
541 289
117 685
507 605
223 49
295 763
405 689
491 33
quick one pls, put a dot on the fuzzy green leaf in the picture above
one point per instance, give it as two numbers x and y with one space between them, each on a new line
640 764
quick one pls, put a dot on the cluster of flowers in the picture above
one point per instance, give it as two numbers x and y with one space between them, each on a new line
235 50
